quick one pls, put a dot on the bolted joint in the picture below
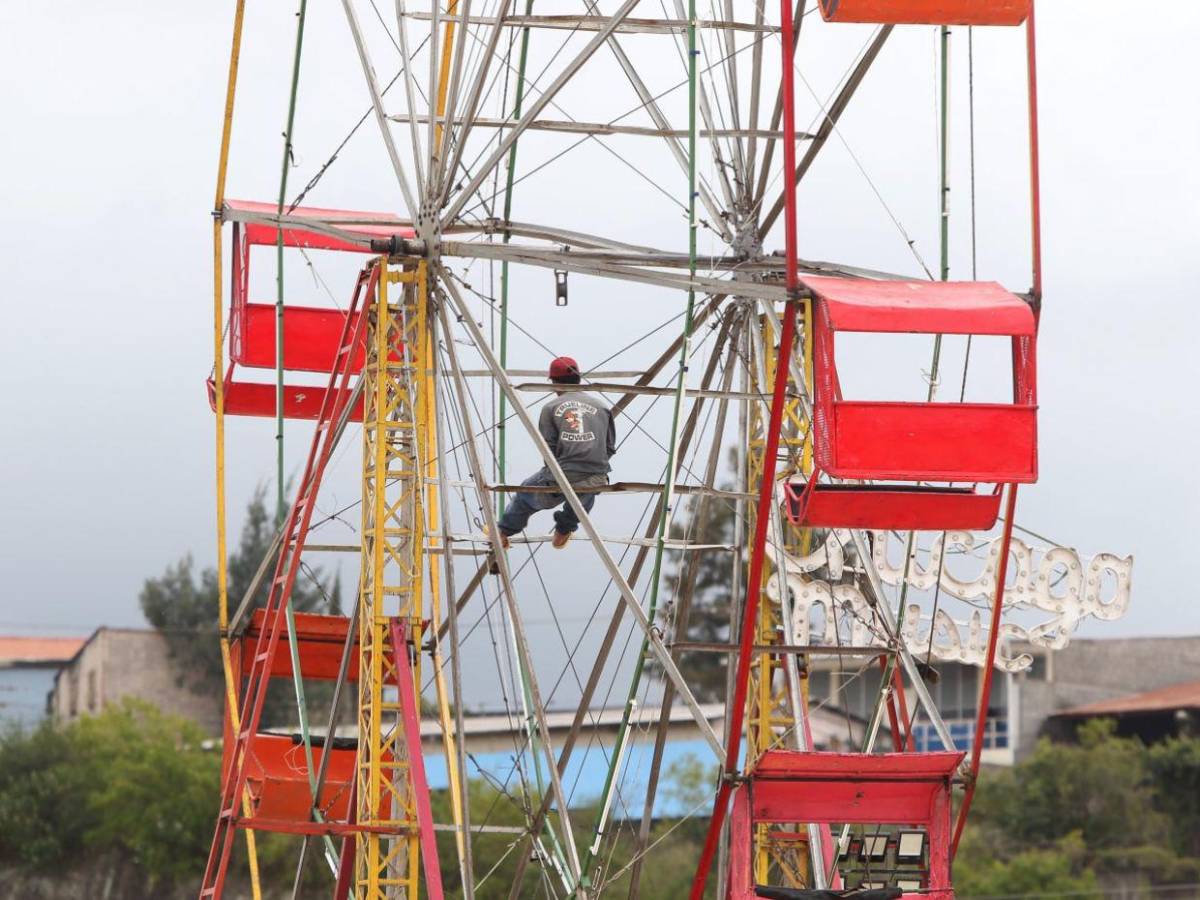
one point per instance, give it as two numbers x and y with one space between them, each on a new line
399 246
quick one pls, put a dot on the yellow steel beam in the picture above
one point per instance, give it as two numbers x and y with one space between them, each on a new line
219 404
392 584
444 73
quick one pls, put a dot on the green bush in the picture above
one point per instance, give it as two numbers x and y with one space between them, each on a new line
40 791
152 789
131 780
1058 871
1102 805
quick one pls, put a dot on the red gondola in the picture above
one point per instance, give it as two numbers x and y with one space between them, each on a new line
914 443
310 334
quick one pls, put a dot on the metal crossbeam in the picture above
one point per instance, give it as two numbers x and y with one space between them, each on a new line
624 487
596 23
669 543
602 128
574 262
647 390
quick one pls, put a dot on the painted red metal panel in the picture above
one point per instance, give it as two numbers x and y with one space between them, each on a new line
244 398
989 442
741 872
277 776
310 338
320 640
927 12
781 764
844 802
939 844
922 307
890 506
320 213
367 224
311 335
410 724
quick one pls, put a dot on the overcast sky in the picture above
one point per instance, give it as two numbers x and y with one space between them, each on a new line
108 152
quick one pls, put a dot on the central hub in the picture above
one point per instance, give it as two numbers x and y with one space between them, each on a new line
429 230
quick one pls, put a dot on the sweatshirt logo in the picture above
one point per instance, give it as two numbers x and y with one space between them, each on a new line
572 413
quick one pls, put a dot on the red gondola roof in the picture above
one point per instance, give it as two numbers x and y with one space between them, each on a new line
357 222
922 307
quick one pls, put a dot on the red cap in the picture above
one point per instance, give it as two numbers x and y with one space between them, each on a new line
563 367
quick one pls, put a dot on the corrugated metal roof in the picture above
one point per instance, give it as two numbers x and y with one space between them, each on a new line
1176 696
14 649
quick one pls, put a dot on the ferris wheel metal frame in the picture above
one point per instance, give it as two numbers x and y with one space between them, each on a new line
397 368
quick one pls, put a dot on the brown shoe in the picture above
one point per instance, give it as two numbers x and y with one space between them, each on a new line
560 539
505 542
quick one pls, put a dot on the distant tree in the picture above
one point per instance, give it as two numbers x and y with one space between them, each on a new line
1175 765
1100 787
1109 805
1057 872
131 781
152 787
184 609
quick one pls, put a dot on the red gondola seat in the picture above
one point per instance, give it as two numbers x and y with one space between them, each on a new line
277 779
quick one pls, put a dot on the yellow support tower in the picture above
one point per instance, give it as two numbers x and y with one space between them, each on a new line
396 426
780 856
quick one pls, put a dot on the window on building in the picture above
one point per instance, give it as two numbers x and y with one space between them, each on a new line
91 691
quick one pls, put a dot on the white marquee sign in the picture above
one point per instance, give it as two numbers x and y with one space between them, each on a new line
1053 589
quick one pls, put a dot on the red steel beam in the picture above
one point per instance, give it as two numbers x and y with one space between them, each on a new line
989 669
1034 166
345 873
893 717
766 492
898 688
410 714
737 710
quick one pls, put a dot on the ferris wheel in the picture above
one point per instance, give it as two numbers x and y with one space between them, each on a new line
639 165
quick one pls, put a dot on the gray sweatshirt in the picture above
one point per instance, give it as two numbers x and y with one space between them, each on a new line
579 429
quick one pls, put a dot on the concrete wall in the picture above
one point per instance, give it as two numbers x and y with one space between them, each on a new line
1090 670
117 663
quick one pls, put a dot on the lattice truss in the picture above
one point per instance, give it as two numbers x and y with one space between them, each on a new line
685 120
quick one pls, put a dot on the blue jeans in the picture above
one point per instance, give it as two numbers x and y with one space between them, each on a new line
523 505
